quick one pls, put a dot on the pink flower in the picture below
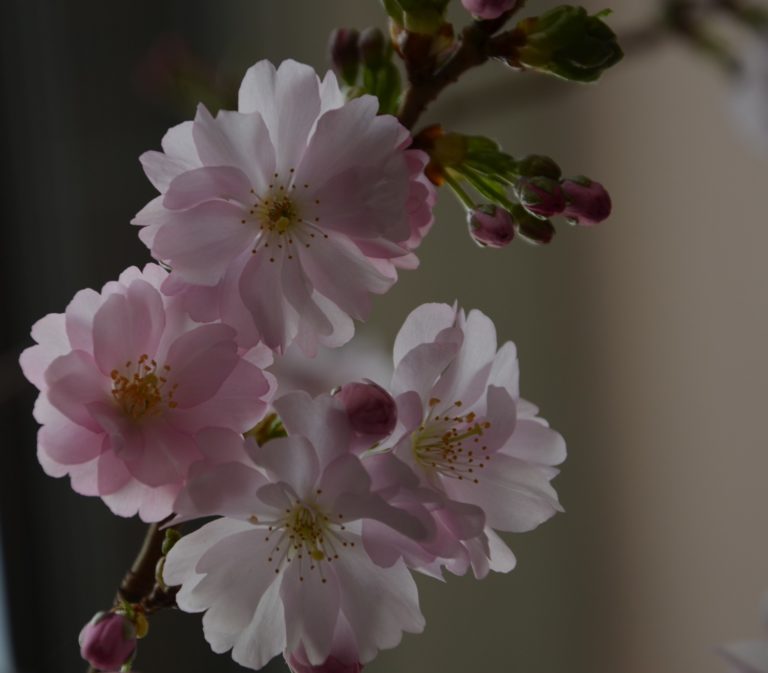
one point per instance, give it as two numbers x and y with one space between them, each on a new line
284 570
283 218
126 381
108 641
464 429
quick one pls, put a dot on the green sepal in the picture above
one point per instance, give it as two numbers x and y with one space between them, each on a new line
569 43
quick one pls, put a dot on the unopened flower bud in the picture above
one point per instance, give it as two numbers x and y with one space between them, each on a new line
108 641
587 201
372 47
300 664
370 408
532 229
491 226
489 9
540 196
569 43
345 55
537 165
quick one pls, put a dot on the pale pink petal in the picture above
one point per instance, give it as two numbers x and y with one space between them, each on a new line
265 636
200 361
289 101
127 326
201 242
239 404
238 140
330 263
181 561
506 371
397 607
419 370
514 495
422 326
261 293
206 184
291 460
68 443
535 443
50 334
74 381
467 377
228 489
312 606
321 420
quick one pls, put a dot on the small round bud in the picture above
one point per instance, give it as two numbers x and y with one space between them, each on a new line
371 44
532 229
537 165
344 53
108 641
370 408
300 664
489 9
491 226
540 196
587 201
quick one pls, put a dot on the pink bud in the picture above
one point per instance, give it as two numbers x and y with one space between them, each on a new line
491 226
588 202
540 196
488 9
108 641
370 408
299 664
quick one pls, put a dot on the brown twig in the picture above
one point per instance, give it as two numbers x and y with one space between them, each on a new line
139 586
425 86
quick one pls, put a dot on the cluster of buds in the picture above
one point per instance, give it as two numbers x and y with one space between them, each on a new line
363 62
522 195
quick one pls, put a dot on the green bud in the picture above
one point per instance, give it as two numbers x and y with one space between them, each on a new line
568 43
532 229
172 536
538 165
270 427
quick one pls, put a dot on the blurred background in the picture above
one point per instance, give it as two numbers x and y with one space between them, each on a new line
643 340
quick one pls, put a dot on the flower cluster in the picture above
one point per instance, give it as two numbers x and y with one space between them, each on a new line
182 391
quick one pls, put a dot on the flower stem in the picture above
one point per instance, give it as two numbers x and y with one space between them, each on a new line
472 52
139 586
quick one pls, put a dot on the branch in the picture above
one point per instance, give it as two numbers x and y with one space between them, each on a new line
424 87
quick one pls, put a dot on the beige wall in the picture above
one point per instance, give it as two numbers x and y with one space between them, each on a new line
643 341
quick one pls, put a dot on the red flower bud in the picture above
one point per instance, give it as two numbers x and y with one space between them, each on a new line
345 55
588 202
370 408
491 226
540 196
108 641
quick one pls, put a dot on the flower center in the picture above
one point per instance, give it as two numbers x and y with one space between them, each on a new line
277 214
140 392
450 443
285 218
307 536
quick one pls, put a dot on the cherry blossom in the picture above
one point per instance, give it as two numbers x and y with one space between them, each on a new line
284 568
467 434
284 217
126 382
